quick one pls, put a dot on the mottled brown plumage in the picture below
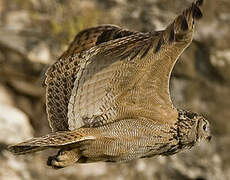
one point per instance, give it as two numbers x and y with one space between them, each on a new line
108 96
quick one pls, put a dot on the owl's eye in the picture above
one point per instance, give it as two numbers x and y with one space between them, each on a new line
205 127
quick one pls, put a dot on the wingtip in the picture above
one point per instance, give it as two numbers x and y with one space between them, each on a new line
199 2
196 12
184 23
186 19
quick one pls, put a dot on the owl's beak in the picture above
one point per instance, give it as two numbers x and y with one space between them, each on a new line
209 138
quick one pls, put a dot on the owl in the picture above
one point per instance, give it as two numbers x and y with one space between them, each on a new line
108 99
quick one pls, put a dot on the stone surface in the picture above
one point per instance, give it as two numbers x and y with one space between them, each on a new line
14 125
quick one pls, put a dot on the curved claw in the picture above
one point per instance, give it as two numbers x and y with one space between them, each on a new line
63 158
54 162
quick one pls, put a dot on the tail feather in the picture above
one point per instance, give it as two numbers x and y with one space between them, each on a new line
19 150
53 140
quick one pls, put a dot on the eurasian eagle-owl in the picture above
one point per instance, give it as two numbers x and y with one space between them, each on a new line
108 96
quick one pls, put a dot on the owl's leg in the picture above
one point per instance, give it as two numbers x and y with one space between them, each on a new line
64 158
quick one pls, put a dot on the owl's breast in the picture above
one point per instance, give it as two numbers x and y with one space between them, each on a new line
129 139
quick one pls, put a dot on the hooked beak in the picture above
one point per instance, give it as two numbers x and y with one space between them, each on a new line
209 138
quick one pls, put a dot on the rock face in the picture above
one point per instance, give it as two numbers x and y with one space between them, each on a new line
34 33
14 125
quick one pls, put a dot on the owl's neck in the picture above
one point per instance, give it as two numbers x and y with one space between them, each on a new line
186 129
185 132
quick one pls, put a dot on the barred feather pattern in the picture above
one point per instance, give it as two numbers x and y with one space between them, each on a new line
112 68
61 75
53 140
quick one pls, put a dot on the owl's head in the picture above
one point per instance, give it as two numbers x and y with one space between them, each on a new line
193 127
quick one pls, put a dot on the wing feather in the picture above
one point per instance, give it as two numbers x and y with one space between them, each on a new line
61 75
130 76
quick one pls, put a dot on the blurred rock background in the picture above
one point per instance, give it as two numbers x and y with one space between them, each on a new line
34 33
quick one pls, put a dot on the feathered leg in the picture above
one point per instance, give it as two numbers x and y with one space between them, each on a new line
65 157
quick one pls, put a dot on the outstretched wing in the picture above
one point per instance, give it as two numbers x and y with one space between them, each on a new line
61 75
129 77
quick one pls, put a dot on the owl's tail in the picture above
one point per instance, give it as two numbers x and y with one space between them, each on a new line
53 140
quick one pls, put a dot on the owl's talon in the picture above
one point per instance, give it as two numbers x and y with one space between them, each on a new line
49 161
63 158
54 162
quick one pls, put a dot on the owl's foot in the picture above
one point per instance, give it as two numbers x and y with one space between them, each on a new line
63 158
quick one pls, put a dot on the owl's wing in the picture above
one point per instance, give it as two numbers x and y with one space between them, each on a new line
129 77
61 75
